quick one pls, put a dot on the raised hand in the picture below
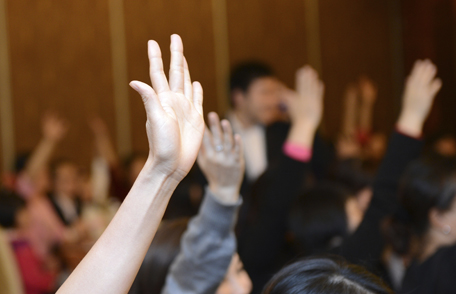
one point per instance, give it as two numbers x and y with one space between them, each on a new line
421 87
368 90
175 124
305 106
221 160
54 128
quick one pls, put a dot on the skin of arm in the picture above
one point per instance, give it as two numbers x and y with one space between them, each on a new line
350 114
175 128
209 243
368 92
306 107
103 143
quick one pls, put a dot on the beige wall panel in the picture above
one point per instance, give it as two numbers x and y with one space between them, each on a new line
60 60
157 20
354 41
269 30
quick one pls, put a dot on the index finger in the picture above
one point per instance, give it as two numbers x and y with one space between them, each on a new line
157 75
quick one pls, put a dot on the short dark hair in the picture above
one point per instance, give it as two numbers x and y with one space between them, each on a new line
10 205
245 73
324 275
318 218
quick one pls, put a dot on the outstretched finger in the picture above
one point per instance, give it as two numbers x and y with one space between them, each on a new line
198 97
176 69
238 148
216 130
227 135
157 75
188 89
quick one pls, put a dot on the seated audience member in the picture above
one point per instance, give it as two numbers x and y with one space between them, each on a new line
38 275
318 275
64 197
208 262
255 97
175 128
260 246
425 234
365 245
33 184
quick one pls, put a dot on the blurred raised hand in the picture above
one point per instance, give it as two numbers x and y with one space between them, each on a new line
421 87
175 124
221 160
305 106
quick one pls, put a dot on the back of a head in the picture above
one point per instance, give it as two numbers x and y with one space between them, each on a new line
320 275
164 249
318 219
245 73
10 205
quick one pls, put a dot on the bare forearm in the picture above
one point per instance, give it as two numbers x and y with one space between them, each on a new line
349 119
106 149
365 117
40 157
112 263
302 133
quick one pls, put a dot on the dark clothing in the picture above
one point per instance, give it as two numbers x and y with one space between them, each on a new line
365 245
435 275
282 183
260 246
58 210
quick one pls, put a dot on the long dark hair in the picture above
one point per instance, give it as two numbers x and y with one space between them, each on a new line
323 275
161 254
429 183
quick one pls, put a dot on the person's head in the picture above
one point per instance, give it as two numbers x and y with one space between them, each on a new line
322 217
255 93
427 196
236 281
324 276
65 175
349 174
13 211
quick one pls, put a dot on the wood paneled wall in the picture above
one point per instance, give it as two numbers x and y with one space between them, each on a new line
60 61
61 56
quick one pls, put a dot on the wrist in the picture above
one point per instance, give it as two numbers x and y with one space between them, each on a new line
411 125
227 195
302 133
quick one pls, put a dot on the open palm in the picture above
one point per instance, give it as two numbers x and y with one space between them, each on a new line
175 124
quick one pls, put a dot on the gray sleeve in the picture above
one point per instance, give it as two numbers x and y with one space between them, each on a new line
206 249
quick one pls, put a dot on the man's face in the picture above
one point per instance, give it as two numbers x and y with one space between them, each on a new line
261 101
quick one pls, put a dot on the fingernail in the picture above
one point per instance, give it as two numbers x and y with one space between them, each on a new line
134 86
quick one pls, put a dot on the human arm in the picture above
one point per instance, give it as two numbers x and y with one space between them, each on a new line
209 243
54 129
368 93
175 128
350 114
103 143
366 244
